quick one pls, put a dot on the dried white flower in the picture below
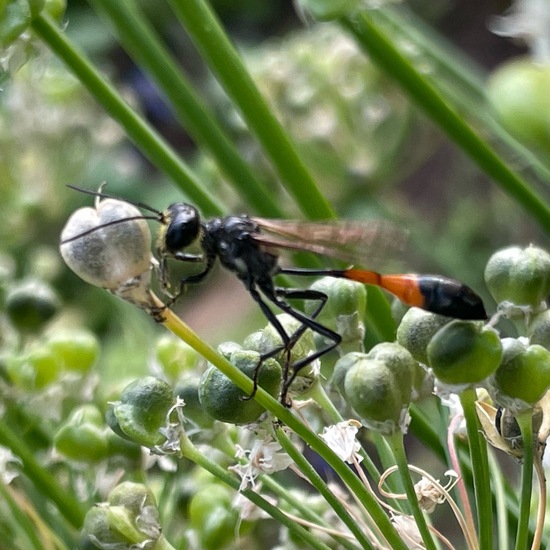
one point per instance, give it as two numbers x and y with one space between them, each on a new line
263 458
341 439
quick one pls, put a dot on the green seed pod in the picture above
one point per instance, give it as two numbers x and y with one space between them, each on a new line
142 411
77 350
345 308
417 329
30 305
373 392
174 356
400 362
341 369
188 390
34 370
519 275
129 519
133 496
83 436
225 401
464 352
524 374
212 517
271 339
539 329
518 91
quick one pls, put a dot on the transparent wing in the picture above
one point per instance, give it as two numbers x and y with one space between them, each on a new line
357 242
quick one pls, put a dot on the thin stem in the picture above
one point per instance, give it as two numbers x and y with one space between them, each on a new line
67 505
480 469
525 422
455 463
396 443
303 508
190 452
143 136
387 56
541 509
499 491
207 33
307 469
146 48
182 331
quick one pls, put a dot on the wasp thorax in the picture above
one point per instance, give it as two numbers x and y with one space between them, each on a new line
183 227
107 246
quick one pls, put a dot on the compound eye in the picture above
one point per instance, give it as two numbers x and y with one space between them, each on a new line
183 227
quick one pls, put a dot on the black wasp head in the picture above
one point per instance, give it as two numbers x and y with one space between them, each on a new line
183 226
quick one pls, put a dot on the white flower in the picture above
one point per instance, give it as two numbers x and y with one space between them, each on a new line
341 439
530 21
263 458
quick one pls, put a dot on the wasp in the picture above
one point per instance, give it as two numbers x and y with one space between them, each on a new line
249 248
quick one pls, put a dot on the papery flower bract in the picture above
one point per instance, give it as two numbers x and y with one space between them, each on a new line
263 458
431 494
172 430
8 462
408 530
341 439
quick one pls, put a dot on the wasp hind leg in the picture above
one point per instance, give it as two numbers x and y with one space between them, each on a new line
279 297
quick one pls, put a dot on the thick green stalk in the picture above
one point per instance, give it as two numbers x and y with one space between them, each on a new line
388 57
222 58
525 422
145 47
480 469
143 136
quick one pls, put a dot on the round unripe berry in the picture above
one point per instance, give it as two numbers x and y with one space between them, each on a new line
524 373
519 275
519 93
464 352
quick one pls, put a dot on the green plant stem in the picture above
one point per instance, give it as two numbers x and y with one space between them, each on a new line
456 77
142 135
303 508
190 452
182 331
396 443
525 422
480 469
23 526
67 505
386 55
206 32
319 484
145 47
499 491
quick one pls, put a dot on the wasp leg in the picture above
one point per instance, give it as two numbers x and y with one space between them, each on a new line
279 297
308 322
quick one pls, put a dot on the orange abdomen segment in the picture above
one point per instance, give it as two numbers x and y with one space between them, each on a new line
405 287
